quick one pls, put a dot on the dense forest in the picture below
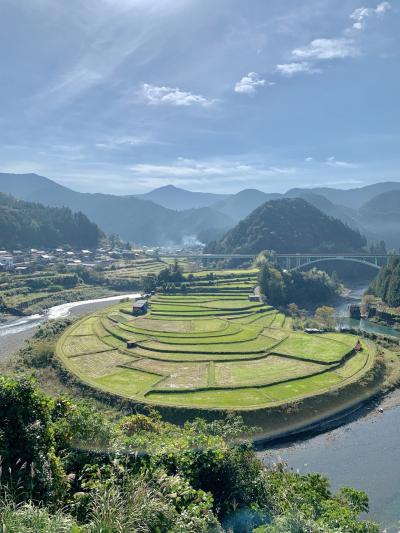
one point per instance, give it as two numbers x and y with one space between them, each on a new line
26 225
280 287
289 225
387 283
68 466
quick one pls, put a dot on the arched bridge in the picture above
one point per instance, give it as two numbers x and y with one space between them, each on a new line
298 261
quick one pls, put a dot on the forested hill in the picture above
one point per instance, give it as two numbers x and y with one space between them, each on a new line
387 283
27 225
289 225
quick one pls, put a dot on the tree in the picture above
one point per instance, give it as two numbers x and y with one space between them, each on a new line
325 315
293 310
27 443
3 304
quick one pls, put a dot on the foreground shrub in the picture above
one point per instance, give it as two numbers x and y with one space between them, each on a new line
29 464
28 518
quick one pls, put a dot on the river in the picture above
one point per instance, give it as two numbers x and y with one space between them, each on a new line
364 453
14 333
354 296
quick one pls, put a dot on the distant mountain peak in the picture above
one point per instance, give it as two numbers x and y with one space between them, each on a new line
179 199
168 187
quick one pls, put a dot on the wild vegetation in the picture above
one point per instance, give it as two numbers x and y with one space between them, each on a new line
280 287
67 467
387 284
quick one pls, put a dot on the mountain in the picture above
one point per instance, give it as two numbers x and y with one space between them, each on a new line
288 225
238 206
133 219
385 205
180 199
355 198
184 215
345 214
27 224
381 214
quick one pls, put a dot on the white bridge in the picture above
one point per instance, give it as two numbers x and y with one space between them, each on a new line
297 261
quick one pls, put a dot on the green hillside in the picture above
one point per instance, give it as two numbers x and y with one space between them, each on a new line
289 225
27 224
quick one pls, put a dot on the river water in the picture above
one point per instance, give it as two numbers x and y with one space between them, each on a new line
14 333
342 309
364 453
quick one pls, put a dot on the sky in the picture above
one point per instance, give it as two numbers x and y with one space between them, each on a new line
123 96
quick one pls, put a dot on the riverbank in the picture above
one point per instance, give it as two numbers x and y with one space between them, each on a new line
13 333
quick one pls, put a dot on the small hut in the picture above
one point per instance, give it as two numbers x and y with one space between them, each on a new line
140 307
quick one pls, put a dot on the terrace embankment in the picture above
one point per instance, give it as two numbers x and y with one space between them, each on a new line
210 350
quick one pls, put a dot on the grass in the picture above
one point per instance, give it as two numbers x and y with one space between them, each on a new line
209 348
78 345
99 364
268 370
128 382
318 348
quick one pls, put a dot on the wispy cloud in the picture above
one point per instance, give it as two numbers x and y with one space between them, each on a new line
290 69
192 171
339 48
123 142
362 14
161 95
323 49
333 162
249 84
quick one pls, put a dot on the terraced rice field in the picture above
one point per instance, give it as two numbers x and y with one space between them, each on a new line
210 348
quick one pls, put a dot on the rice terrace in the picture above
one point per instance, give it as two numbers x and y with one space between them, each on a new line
209 347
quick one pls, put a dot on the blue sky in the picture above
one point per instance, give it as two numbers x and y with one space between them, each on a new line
123 96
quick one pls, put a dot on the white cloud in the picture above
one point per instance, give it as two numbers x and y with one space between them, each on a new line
306 57
189 170
123 142
160 95
290 69
248 84
382 8
361 14
339 48
333 162
309 159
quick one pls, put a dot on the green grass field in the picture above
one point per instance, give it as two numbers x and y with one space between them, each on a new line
210 348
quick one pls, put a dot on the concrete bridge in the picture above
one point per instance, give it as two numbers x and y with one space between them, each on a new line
298 261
